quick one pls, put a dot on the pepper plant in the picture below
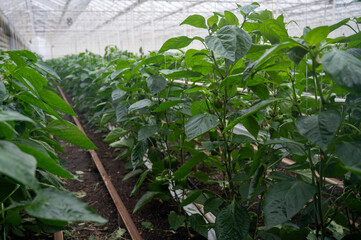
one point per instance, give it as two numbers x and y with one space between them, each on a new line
251 97
32 198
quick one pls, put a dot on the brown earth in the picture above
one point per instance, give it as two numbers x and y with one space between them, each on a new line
93 191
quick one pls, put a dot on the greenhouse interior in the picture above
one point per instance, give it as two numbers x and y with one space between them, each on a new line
170 119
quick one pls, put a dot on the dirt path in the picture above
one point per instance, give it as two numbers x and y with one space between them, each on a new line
93 191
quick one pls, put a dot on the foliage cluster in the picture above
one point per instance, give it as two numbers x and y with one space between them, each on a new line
32 198
251 87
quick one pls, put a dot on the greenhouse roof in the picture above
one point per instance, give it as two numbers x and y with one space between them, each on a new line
58 27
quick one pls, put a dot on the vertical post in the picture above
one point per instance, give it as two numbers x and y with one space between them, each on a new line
51 51
184 17
99 43
333 11
133 33
76 44
153 29
118 41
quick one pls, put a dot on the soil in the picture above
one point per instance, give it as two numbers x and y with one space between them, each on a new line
93 191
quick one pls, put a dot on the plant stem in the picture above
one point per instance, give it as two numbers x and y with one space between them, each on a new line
216 65
316 82
319 195
314 177
294 95
352 126
182 140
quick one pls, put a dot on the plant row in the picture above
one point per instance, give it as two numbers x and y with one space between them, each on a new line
32 198
250 75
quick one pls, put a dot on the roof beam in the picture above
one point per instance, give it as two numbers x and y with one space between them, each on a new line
168 14
31 15
65 9
128 9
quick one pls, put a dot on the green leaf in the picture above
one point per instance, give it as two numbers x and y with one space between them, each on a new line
176 43
320 129
32 76
201 89
261 91
45 162
230 42
52 204
198 224
158 59
250 111
212 21
191 197
132 174
232 222
20 62
56 102
344 69
251 124
17 164
138 153
291 232
115 134
117 94
47 69
339 24
28 55
285 199
166 105
222 22
117 234
194 57
117 73
242 139
121 112
70 133
273 30
269 53
175 220
3 92
30 99
350 154
156 83
200 124
139 105
247 9
106 118
180 73
129 142
199 107
317 35
147 131
185 169
296 54
197 21
13 116
147 197
232 80
209 145
255 182
231 18
139 182
267 235
290 144
212 204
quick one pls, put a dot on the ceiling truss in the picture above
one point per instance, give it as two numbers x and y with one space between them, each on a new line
74 23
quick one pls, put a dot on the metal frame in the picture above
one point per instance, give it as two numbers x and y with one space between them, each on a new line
58 27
